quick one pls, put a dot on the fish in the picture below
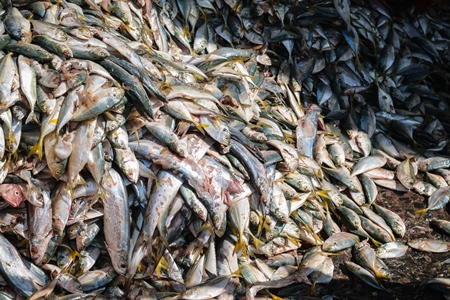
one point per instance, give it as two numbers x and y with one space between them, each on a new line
429 245
205 149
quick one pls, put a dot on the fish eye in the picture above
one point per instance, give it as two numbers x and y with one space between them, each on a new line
16 193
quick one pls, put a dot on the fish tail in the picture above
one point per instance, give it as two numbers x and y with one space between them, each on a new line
31 117
319 173
37 148
381 275
313 289
294 240
162 264
138 254
421 212
101 194
137 136
201 127
80 180
70 187
186 32
164 241
274 297
325 205
240 245
375 242
257 242
263 104
237 273
323 193
261 222
392 236
76 254
15 156
207 225
312 233
316 238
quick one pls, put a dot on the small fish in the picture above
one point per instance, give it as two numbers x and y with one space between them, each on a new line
430 245
364 275
391 250
339 241
437 200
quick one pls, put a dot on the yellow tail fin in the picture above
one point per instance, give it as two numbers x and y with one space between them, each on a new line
37 148
201 127
323 193
257 242
421 212
274 297
163 264
240 245
375 242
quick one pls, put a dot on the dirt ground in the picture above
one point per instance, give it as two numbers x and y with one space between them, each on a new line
408 272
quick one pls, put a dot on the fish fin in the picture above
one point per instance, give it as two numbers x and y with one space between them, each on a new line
137 136
186 32
375 242
162 264
313 289
274 297
325 205
257 242
70 187
37 148
237 273
421 212
207 225
201 127
32 117
165 87
101 194
260 223
314 235
240 245
80 180
76 254
263 104
319 173
210 275
323 193
392 236
164 241
294 240
15 156
381 275
334 253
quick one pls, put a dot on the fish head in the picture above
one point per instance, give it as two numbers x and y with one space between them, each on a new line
37 248
12 193
121 262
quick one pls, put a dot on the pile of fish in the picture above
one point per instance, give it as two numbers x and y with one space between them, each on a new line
207 149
